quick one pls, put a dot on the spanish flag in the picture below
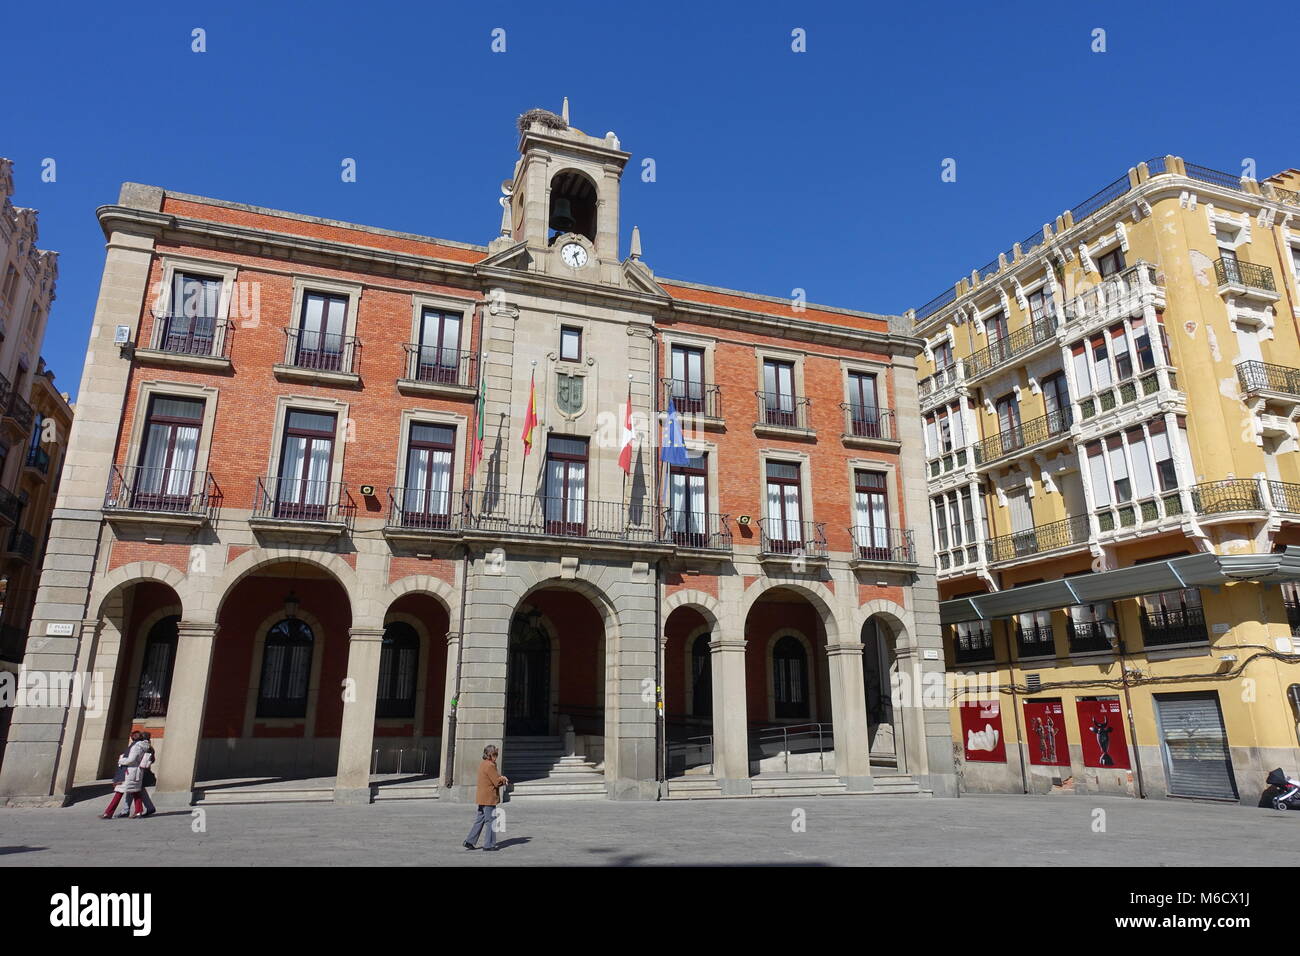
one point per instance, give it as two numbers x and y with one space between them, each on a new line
530 419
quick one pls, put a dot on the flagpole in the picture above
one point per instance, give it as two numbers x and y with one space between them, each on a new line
532 392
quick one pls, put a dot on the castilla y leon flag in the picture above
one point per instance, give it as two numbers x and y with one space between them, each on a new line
530 419
478 427
625 456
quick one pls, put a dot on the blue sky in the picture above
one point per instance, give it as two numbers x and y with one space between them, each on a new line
775 170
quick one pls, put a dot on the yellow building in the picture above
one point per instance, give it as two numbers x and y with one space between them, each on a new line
1110 414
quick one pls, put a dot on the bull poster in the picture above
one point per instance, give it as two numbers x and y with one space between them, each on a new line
1101 725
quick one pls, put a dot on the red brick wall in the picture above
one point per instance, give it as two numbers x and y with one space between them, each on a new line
128 552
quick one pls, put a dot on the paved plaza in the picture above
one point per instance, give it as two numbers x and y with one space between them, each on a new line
975 830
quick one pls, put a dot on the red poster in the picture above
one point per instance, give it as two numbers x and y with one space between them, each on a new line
1045 733
1101 725
981 731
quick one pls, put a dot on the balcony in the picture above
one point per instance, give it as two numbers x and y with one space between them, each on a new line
436 371
951 460
1116 520
188 341
1122 394
38 461
1056 536
1231 496
18 414
320 357
940 387
1089 636
1285 497
1269 381
494 515
1245 279
780 414
10 506
792 540
1035 640
418 513
1115 298
1175 626
882 546
308 508
696 531
161 496
693 399
973 646
1019 343
1027 435
868 427
21 545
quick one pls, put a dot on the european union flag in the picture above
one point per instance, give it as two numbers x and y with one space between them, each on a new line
673 449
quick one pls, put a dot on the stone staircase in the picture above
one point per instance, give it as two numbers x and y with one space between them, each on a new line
797 785
539 768
694 786
704 787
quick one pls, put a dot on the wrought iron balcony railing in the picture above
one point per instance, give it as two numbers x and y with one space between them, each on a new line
10 504
1034 640
1016 343
1174 626
1285 496
887 545
792 538
698 530
1227 496
426 509
559 517
303 500
1047 537
1245 274
22 544
1088 636
1255 376
692 398
973 646
322 351
864 421
39 459
171 491
431 365
1024 435
1113 298
784 410
20 411
192 335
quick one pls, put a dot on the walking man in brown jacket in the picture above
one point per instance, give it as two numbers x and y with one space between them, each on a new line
487 799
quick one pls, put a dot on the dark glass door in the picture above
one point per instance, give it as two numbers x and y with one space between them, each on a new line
528 684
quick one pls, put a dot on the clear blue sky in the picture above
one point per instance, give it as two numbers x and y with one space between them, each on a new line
775 170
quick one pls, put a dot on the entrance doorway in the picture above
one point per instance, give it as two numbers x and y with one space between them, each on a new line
528 686
1194 745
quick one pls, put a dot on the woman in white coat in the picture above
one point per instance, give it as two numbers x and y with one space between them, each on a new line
133 780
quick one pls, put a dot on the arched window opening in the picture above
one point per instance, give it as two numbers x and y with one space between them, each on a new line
286 670
573 205
399 661
156 670
701 677
790 673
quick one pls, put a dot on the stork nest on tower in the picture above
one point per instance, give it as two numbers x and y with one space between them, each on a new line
545 117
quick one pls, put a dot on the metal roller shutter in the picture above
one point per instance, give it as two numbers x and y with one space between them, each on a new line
1195 746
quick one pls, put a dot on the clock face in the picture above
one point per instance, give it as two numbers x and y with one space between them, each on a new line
573 254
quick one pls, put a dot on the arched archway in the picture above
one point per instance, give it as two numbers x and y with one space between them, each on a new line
573 204
411 692
788 683
687 675
882 680
281 652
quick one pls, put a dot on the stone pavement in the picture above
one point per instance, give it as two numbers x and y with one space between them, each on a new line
971 831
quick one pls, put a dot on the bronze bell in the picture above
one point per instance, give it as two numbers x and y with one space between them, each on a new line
562 215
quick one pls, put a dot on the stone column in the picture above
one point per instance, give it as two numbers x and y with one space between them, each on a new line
730 718
849 714
447 724
357 737
179 754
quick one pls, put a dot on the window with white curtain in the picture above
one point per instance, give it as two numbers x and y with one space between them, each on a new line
429 456
1143 479
871 513
784 505
170 448
566 484
305 460
1097 472
688 503
321 333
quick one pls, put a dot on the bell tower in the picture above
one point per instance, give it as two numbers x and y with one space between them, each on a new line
564 198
